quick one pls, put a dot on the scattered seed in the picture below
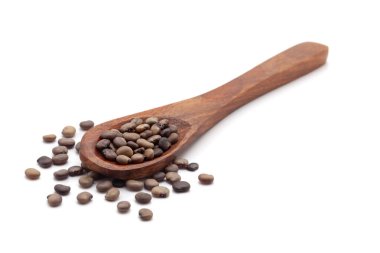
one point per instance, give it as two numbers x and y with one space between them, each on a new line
160 192
86 181
143 197
95 175
181 186
84 198
59 150
77 147
67 142
61 174
159 176
44 162
68 131
192 167
60 159
54 199
206 178
181 162
172 168
172 177
134 185
62 189
75 171
145 214
112 194
32 173
150 183
123 206
49 138
104 186
87 124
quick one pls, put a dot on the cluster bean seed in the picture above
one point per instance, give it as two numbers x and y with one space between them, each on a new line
62 189
44 162
54 199
206 178
134 185
84 198
123 206
49 138
143 197
32 173
145 214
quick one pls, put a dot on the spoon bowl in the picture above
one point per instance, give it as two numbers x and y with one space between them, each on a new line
196 115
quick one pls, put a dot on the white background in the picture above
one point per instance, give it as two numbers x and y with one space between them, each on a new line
295 171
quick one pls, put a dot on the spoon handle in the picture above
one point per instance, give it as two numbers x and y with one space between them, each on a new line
207 109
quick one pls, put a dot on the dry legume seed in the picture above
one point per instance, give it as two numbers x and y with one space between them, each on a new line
173 138
54 199
68 131
84 198
134 185
61 174
123 159
164 143
139 150
166 132
157 152
87 124
159 176
164 123
108 134
103 143
137 158
145 214
181 162
206 178
44 162
146 134
60 159
144 143
59 150
32 173
154 139
109 154
160 192
62 189
131 136
192 166
104 186
49 138
119 142
132 144
181 186
143 197
150 183
118 183
128 127
123 206
151 120
125 150
86 181
149 154
67 142
174 128
172 177
137 121
155 129
142 127
75 171
112 194
172 168
77 147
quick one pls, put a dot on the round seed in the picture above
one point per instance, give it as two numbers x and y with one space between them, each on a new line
102 144
142 127
108 134
164 123
112 194
44 162
146 134
32 173
54 199
181 186
149 154
143 197
137 158
160 192
166 132
123 159
84 198
104 186
144 143
62 189
145 214
132 144
87 124
118 183
134 185
139 150
125 150
172 168
60 159
154 139
67 142
181 162
164 143
131 136
86 181
173 138
172 177
151 120
68 131
75 171
49 138
206 178
137 121
119 142
128 127
192 166
155 129
59 150
157 152
123 206
174 128
109 154
61 174
159 176
77 147
150 183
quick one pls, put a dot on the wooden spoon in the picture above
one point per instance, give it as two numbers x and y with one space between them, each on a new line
196 115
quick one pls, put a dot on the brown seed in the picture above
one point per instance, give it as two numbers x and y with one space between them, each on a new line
142 127
54 199
68 131
166 132
87 124
143 197
109 154
61 174
154 139
157 152
146 134
132 144
173 138
125 150
150 183
84 198
59 150
86 181
137 158
123 159
159 176
164 123
77 147
109 134
145 214
131 136
75 171
172 168
60 159
144 143
137 121
104 186
151 120
139 150
49 138
102 144
44 162
119 142
174 128
172 177
62 189
123 206
164 143
206 178
192 166
181 162
181 186
128 127
112 194
134 185
149 154
32 173
160 192
155 129
67 142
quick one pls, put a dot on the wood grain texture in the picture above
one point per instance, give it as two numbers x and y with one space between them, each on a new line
197 115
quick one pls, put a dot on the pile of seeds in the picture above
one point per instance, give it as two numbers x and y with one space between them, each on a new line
144 189
138 140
